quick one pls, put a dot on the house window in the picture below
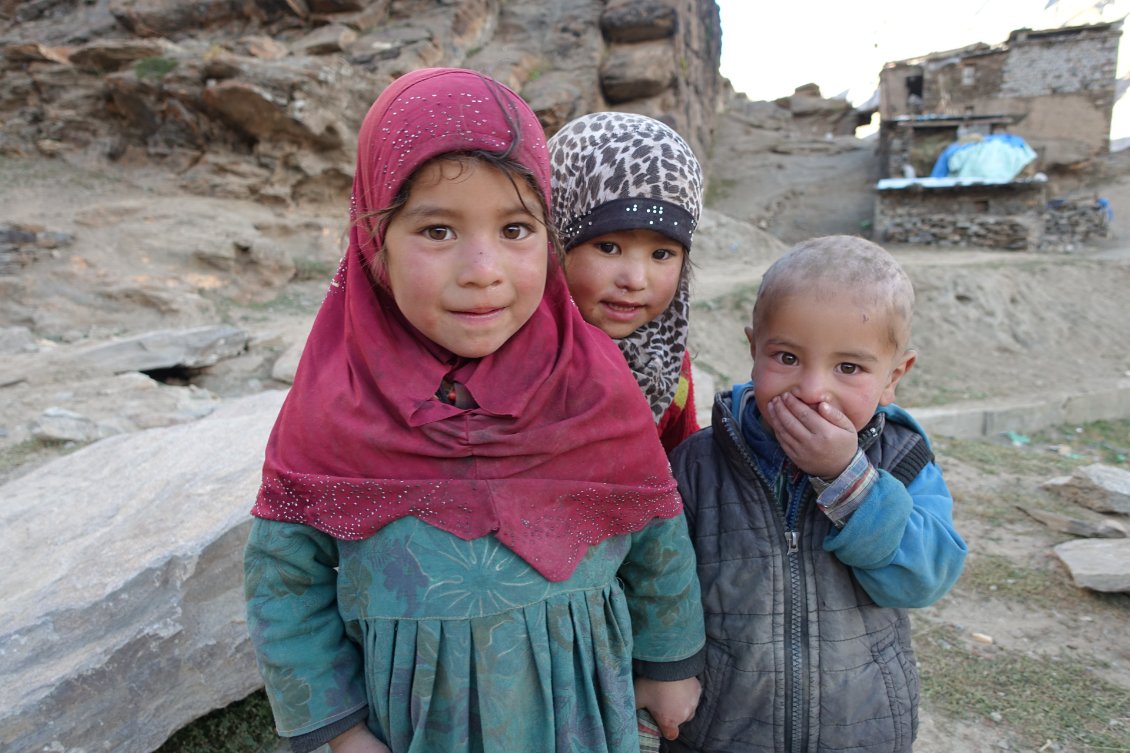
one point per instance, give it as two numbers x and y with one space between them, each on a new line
968 75
914 94
914 86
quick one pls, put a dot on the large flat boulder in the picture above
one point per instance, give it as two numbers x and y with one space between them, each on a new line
123 617
1103 488
1098 565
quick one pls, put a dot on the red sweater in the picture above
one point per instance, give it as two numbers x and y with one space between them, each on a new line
679 420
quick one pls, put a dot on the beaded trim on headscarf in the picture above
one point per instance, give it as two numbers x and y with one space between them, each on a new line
603 159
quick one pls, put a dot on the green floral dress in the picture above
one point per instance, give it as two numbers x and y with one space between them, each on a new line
460 646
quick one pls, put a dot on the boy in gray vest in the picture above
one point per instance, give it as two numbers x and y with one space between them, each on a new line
818 517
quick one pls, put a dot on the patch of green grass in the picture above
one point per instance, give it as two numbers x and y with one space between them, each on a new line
19 459
993 575
154 67
942 390
243 727
18 454
998 577
1039 699
995 507
718 189
288 300
306 269
996 457
1101 441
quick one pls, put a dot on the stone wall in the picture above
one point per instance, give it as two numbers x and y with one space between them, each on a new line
1046 63
1013 216
1070 224
993 216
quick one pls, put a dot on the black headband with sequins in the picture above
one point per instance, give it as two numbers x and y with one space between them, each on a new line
661 216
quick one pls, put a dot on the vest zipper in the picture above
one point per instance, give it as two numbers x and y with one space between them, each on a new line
796 682
795 606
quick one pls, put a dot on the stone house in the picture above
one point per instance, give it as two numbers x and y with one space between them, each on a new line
1055 88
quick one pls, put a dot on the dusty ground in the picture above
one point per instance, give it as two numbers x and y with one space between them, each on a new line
989 324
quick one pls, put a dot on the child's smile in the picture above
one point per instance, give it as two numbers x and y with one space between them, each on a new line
621 281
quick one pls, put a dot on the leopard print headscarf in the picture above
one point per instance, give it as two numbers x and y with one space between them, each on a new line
620 171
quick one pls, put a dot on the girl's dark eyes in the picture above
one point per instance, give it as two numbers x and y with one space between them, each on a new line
438 232
788 359
607 247
663 254
513 232
849 368
517 231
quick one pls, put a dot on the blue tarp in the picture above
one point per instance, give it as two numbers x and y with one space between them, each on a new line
998 156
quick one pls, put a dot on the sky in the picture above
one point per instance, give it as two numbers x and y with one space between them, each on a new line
770 47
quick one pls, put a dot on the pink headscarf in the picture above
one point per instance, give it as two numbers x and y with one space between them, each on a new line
561 452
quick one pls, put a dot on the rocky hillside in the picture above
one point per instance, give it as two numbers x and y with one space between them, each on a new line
261 99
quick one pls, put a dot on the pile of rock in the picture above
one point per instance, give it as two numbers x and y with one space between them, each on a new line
1071 223
21 243
1096 508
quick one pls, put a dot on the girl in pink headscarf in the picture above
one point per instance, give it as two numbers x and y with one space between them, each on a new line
467 530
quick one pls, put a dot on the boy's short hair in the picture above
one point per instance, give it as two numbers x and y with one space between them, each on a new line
845 263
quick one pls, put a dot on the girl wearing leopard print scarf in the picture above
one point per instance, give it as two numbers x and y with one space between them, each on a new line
627 193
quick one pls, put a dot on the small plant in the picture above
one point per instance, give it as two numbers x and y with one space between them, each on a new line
22 457
292 299
243 727
1098 442
718 189
999 577
306 269
997 458
154 67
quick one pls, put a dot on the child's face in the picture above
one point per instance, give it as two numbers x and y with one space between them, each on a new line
623 280
827 348
465 258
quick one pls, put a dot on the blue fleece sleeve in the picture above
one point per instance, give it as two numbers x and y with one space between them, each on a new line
900 542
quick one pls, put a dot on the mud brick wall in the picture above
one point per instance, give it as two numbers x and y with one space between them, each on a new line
946 88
